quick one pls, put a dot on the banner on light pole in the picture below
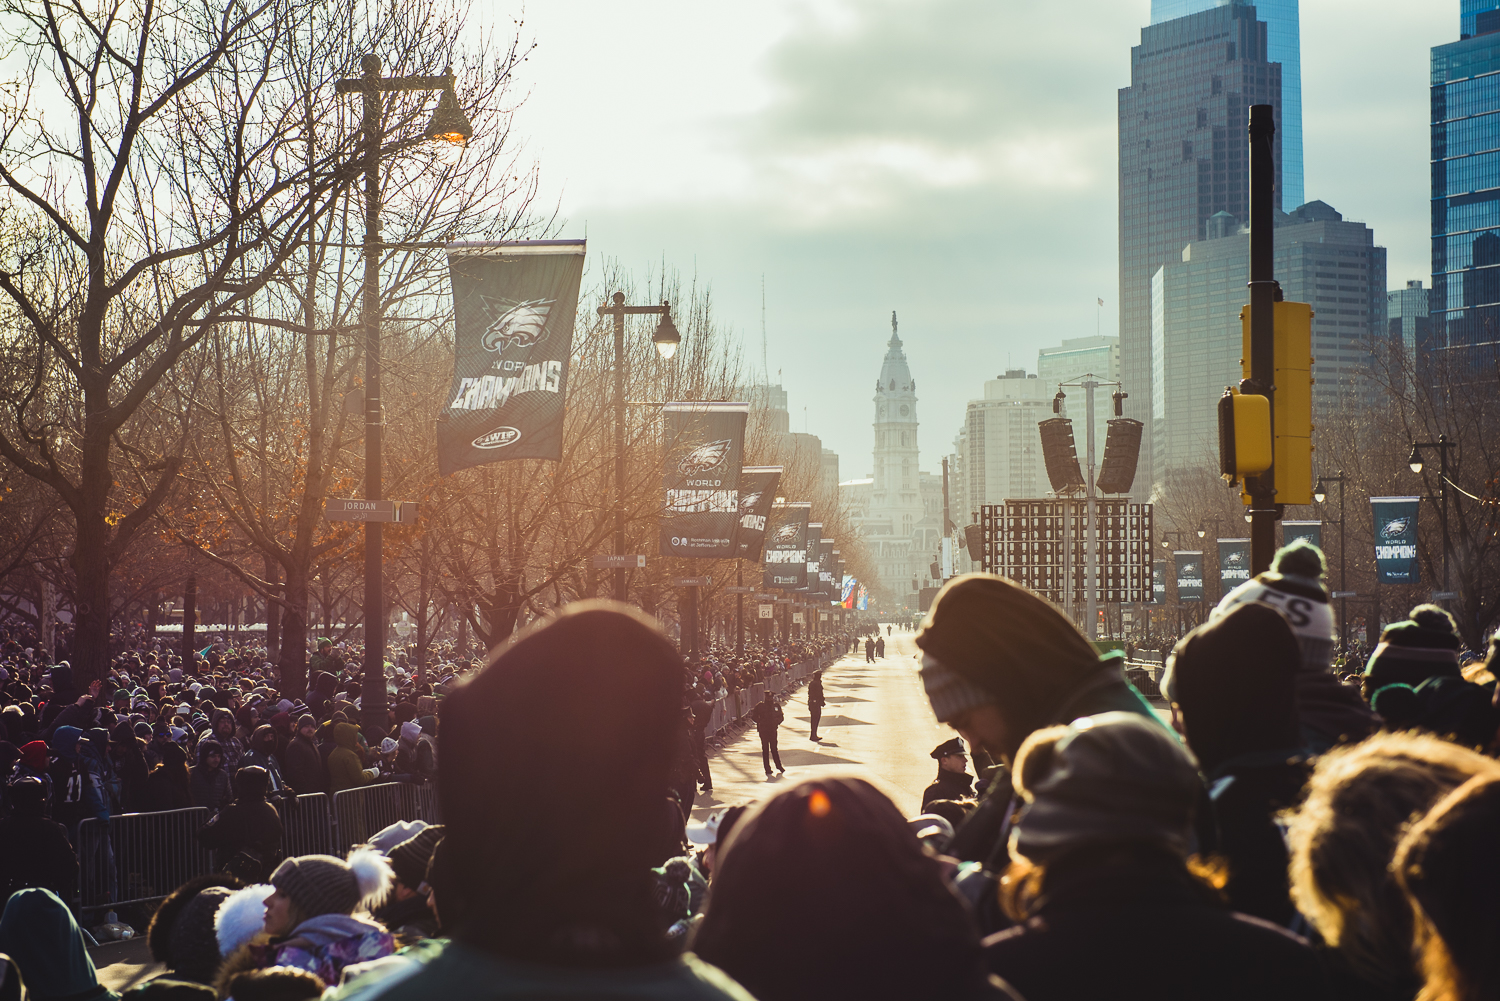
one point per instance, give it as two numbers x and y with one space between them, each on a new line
1159 582
1396 539
701 478
757 492
513 311
1189 575
786 545
1234 564
1312 531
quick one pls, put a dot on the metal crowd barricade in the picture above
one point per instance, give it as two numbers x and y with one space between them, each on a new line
307 826
360 814
151 854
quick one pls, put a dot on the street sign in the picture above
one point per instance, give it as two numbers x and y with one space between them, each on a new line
356 509
765 597
692 582
1346 594
767 612
797 618
783 601
739 590
618 562
1444 595
822 616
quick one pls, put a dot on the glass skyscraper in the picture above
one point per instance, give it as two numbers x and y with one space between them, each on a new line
1184 157
1465 294
1284 44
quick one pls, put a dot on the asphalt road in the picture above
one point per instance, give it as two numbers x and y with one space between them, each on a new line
877 725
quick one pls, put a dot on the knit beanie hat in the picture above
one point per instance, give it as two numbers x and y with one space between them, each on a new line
949 692
1234 678
1004 640
410 731
322 884
1424 645
1294 587
409 859
1103 779
669 888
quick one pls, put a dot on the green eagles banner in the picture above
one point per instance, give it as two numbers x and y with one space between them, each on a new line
1189 576
513 310
1396 539
1312 531
757 492
1159 583
1234 564
824 587
786 545
814 537
701 478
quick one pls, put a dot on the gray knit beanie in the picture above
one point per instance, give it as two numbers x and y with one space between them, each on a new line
950 693
322 884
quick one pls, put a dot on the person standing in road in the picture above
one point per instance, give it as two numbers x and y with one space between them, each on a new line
697 731
768 716
869 651
880 647
953 779
815 701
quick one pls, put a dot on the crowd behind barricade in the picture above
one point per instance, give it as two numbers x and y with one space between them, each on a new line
1272 833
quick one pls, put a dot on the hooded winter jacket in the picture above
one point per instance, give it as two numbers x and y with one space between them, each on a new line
210 787
45 944
346 768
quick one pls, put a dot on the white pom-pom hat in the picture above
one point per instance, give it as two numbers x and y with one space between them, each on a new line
322 884
241 917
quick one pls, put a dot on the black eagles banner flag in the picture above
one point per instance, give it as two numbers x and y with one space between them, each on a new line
786 545
814 535
825 568
701 478
757 491
513 306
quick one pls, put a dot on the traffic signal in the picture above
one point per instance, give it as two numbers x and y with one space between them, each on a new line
1244 434
1292 406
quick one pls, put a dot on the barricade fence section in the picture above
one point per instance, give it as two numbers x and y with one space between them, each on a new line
139 856
307 826
359 814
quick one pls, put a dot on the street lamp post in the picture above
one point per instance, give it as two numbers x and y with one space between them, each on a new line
1415 461
666 339
1320 494
1168 545
448 125
1202 532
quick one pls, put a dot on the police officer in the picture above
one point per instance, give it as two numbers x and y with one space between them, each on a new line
768 716
953 779
815 701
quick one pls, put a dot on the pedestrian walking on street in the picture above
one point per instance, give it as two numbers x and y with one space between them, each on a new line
880 647
815 701
697 731
869 651
768 717
953 779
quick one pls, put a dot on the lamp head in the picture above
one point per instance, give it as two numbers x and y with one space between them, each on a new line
666 338
1320 492
449 124
1415 459
1202 531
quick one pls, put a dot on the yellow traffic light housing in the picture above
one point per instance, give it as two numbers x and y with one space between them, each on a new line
1244 434
1292 407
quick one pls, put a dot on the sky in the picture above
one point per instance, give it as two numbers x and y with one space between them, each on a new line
951 160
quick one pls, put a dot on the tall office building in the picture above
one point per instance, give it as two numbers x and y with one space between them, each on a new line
1184 156
1002 446
1465 294
1198 340
1407 319
1284 46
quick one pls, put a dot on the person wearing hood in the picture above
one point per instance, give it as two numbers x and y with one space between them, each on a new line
230 746
1233 688
308 919
998 663
1102 845
36 762
864 913
303 763
346 765
414 758
69 772
128 757
245 836
208 780
1328 712
578 920
37 851
170 785
44 944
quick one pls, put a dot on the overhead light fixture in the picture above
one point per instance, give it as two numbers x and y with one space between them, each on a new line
666 337
449 124
1415 459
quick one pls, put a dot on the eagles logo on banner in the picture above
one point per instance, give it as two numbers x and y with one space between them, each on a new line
701 478
786 545
757 491
1312 531
1396 539
824 585
1234 563
1189 575
814 536
513 308
1158 583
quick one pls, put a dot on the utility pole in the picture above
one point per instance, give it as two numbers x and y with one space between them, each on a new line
1264 291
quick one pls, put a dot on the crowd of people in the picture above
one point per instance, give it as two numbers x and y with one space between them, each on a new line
1274 832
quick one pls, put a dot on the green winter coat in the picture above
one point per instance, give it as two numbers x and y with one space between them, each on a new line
346 767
